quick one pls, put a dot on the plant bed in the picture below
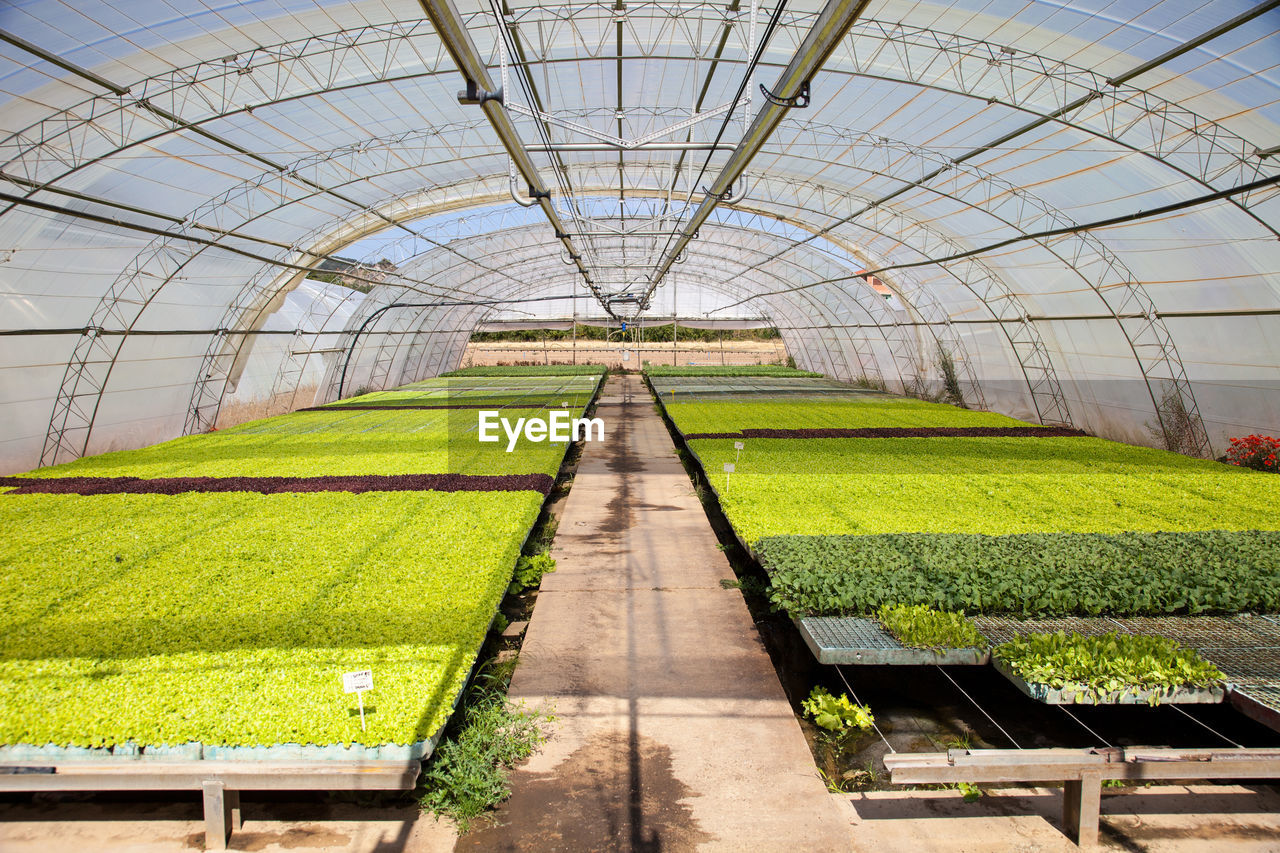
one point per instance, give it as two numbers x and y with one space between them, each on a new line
228 619
529 370
1027 575
728 370
219 623
897 432
921 627
992 486
1110 669
857 410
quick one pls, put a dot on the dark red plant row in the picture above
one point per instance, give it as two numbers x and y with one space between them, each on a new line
354 483
898 432
457 406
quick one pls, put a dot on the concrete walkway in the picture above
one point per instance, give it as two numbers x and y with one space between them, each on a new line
672 732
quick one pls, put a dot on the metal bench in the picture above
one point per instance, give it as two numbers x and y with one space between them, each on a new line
220 782
1081 771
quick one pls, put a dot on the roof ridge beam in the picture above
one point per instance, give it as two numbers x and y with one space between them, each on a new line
453 34
833 23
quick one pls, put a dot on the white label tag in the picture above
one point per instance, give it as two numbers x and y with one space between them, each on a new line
728 467
738 445
354 682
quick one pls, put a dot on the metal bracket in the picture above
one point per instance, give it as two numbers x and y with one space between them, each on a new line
535 195
800 101
475 96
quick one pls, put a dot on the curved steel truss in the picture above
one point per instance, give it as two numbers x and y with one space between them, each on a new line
804 232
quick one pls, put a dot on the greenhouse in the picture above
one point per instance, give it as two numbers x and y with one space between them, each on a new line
781 425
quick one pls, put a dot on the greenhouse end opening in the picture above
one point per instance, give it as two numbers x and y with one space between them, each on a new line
561 428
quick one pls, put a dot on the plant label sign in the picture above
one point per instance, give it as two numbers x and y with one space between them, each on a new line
738 445
728 469
358 682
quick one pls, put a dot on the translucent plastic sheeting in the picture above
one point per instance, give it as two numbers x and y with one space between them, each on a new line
283 371
178 186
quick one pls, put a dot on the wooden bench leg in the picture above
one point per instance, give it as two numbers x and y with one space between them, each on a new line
1081 807
221 815
233 808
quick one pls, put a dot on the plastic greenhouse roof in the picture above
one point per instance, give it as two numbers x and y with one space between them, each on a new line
181 165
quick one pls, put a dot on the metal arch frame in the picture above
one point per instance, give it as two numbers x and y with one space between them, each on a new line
1019 79
992 72
829 311
797 345
921 302
792 85
598 174
971 274
290 367
885 320
214 86
981 49
258 292
451 28
203 409
1028 348
718 285
200 409
918 299
94 356
433 354
710 284
1013 206
903 349
1214 141
138 285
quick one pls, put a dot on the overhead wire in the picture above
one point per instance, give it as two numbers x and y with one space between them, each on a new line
854 694
1203 724
978 706
1083 725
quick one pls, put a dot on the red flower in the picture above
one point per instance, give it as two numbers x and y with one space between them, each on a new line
1254 451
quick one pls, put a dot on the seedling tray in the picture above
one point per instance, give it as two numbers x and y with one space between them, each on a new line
1067 696
856 640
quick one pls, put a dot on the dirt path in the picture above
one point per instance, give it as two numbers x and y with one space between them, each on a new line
673 732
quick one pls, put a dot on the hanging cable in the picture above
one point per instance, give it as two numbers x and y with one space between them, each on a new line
1065 710
1203 724
747 78
979 707
859 701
